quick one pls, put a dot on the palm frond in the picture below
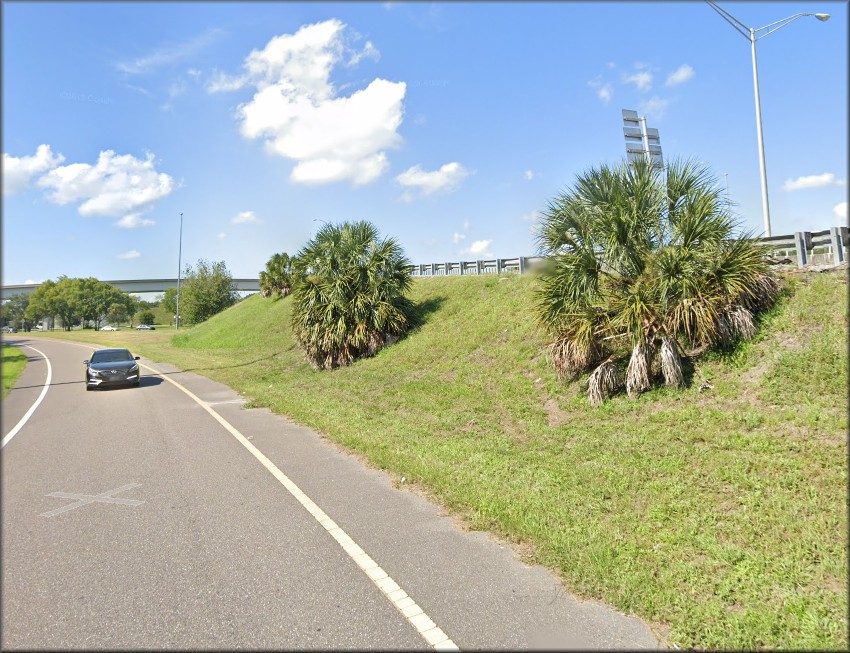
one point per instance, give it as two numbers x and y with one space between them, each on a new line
637 371
671 364
602 382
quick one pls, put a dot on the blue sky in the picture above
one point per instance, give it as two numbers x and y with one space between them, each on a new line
447 125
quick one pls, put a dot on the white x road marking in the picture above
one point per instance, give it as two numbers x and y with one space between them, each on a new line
85 499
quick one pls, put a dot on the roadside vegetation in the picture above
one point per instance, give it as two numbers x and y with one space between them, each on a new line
14 361
644 266
349 297
718 513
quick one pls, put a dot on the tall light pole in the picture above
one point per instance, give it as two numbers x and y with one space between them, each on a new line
752 35
179 263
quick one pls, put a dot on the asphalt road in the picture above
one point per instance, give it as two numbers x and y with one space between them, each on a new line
149 518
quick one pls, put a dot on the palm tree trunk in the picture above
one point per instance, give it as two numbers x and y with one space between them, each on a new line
671 364
637 372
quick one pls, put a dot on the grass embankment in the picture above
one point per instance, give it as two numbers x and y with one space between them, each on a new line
720 517
13 363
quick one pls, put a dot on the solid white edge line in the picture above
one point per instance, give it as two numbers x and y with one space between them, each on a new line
11 434
426 628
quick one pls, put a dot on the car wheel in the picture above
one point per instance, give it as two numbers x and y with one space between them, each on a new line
88 387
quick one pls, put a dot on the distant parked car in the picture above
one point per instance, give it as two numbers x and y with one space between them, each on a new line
9 329
111 367
145 327
109 328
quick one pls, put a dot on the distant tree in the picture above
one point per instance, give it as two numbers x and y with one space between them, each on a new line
119 312
206 290
645 265
93 299
276 279
349 294
146 317
14 310
59 300
168 301
42 303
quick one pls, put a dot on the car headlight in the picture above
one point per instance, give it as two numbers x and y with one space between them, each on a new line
134 369
94 373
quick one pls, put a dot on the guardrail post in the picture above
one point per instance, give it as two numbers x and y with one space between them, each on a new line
477 267
498 266
802 243
837 245
521 264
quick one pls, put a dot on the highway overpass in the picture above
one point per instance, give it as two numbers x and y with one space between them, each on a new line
133 286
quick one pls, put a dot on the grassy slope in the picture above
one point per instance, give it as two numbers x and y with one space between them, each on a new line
721 516
13 363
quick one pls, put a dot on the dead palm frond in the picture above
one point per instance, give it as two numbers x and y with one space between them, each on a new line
602 382
637 372
741 321
671 364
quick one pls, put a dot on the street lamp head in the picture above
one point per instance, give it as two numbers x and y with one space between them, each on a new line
822 17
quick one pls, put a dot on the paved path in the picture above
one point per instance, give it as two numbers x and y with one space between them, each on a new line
142 518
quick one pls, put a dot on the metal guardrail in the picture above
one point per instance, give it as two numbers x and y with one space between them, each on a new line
827 247
519 265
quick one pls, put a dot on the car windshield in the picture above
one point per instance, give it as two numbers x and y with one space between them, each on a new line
113 356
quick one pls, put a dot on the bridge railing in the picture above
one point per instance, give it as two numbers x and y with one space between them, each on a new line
805 248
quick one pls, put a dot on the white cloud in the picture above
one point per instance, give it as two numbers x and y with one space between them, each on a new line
604 90
456 238
679 76
128 255
812 181
369 51
479 248
169 54
134 221
17 171
655 107
840 211
299 115
116 186
448 177
177 88
529 175
642 80
222 236
222 82
246 216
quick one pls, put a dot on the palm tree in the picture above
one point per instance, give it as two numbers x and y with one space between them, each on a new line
349 294
276 279
645 263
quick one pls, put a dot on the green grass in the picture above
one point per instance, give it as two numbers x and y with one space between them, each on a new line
719 517
13 363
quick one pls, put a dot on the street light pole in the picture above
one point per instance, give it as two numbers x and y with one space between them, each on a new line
751 34
179 263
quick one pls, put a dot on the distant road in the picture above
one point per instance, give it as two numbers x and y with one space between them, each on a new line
169 516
